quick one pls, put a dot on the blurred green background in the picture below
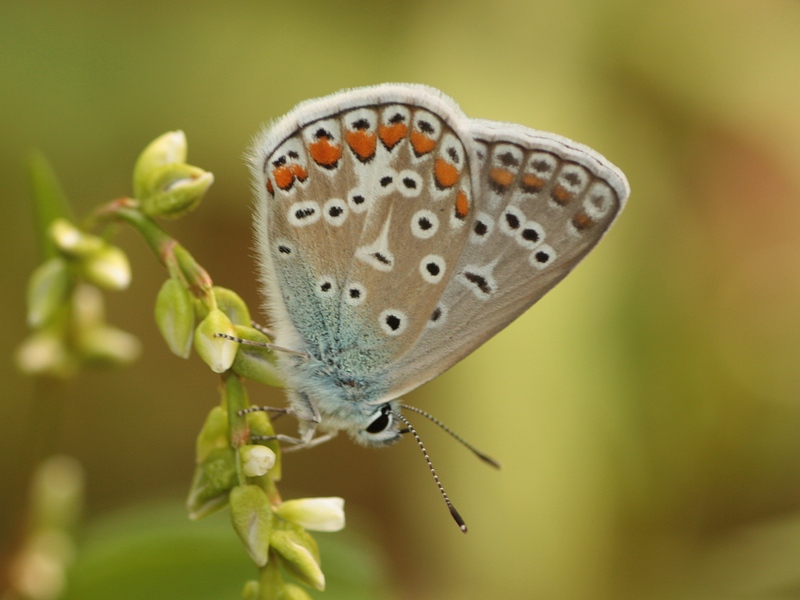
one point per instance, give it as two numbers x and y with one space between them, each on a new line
646 410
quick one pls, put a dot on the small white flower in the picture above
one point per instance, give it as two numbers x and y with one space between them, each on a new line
256 460
314 514
109 268
217 351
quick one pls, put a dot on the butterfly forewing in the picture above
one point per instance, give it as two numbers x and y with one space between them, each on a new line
542 204
368 208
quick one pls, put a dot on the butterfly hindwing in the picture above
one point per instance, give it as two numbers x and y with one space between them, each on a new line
542 203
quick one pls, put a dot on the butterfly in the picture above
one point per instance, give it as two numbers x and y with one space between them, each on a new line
395 235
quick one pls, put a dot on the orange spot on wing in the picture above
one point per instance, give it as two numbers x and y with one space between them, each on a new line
561 195
362 143
270 189
531 183
325 153
299 171
501 178
446 173
462 205
283 176
421 143
582 221
391 134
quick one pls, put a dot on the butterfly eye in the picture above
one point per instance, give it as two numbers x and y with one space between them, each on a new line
382 422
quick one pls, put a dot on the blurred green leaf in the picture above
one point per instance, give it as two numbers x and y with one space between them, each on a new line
155 552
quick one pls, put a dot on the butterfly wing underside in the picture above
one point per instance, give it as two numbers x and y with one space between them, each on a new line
365 206
542 203
396 235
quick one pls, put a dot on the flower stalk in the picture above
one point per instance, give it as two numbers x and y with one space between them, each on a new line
65 313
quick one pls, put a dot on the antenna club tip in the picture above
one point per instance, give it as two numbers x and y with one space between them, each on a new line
491 462
459 521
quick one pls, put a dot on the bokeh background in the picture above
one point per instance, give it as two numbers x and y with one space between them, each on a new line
647 411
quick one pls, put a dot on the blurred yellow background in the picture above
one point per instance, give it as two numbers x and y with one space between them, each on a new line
646 411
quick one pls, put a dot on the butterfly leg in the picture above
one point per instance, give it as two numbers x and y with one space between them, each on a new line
320 439
297 443
308 417
265 330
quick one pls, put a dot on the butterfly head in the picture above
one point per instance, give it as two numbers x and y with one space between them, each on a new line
373 425
382 427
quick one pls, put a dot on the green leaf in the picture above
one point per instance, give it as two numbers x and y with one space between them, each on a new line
256 363
299 553
175 316
251 517
212 481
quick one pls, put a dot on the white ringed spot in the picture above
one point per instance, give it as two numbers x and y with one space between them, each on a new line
387 182
393 322
409 183
597 201
358 200
542 256
530 235
326 287
355 294
303 213
335 211
432 268
424 224
511 220
482 228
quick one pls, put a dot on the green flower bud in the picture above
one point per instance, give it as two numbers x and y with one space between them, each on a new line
256 363
108 344
294 592
315 514
88 307
48 289
179 189
44 353
213 479
251 590
72 241
175 317
299 553
214 433
259 424
217 352
251 516
108 268
256 460
232 305
167 149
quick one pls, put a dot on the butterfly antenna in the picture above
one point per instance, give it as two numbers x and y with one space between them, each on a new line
461 524
484 457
